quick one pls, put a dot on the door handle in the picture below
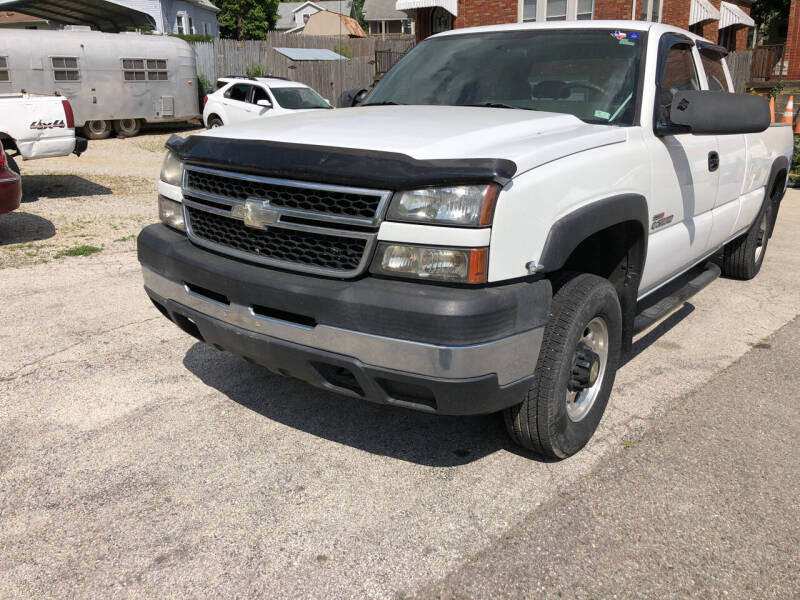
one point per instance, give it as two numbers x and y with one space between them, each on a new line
713 161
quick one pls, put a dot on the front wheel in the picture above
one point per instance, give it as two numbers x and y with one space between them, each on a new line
575 372
214 121
127 127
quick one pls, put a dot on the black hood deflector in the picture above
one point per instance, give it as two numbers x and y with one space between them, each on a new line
340 166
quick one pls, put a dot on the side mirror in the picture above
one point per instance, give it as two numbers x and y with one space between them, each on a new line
264 103
704 112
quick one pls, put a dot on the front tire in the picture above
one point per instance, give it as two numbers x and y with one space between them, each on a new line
744 256
127 127
575 372
97 130
214 121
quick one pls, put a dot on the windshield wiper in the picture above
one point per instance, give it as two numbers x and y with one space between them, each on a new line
384 103
497 105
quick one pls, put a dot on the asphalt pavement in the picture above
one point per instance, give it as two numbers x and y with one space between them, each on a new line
137 462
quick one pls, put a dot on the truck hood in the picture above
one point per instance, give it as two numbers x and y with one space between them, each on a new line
528 138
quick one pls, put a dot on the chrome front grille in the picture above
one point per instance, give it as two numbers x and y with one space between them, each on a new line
325 229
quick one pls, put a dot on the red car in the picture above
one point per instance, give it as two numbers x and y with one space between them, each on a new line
10 185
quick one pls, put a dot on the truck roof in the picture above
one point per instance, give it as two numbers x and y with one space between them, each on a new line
655 28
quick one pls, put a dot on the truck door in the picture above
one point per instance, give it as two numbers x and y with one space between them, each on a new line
732 152
685 172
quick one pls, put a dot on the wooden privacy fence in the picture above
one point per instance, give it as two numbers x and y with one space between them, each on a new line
739 64
767 62
234 57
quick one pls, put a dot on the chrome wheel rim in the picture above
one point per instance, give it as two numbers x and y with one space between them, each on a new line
762 237
595 337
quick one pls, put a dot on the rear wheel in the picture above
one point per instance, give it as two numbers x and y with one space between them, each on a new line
744 256
214 121
575 372
127 127
97 130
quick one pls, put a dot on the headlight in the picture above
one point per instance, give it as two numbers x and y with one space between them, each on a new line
171 169
171 213
464 205
461 265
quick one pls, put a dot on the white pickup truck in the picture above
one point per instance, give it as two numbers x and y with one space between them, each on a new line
486 232
38 126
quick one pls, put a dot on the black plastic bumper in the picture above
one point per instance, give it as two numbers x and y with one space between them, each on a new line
452 318
81 144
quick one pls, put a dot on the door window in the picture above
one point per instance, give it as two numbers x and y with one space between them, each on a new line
259 93
680 74
712 65
238 92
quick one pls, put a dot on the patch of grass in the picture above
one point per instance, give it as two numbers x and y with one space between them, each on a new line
83 250
127 238
628 443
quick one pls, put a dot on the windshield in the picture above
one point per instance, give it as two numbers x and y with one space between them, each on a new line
297 98
590 73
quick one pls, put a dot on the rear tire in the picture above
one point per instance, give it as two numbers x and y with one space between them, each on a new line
571 387
214 121
744 256
127 127
97 130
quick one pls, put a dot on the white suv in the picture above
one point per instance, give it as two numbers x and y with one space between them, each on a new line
238 99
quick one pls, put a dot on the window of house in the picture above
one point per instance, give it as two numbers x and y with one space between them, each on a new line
181 23
65 68
680 74
4 75
191 26
529 10
585 10
712 65
556 10
650 11
205 28
141 69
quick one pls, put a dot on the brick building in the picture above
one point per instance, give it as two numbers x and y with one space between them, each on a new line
727 23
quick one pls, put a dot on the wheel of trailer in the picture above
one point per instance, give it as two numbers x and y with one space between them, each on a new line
744 256
127 127
575 372
214 121
97 130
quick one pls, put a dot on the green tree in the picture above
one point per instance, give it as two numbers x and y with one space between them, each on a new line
247 19
772 19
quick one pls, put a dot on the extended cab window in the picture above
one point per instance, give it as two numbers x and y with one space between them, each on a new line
717 82
238 92
592 74
679 75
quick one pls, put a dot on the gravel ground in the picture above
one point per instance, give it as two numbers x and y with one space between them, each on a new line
135 461
101 199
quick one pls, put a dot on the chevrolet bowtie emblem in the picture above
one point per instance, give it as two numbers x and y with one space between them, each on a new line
255 213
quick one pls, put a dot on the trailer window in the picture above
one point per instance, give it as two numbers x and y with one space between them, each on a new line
141 69
4 76
65 68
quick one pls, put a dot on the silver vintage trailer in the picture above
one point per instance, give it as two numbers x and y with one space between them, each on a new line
112 80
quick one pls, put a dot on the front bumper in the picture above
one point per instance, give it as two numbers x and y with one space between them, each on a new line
432 348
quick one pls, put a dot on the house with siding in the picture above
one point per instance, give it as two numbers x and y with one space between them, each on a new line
293 16
725 22
190 17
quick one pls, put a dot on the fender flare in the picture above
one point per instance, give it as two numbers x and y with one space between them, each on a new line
780 163
570 230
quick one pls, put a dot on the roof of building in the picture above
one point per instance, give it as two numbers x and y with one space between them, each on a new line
328 22
18 17
286 11
100 14
204 4
382 10
309 54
